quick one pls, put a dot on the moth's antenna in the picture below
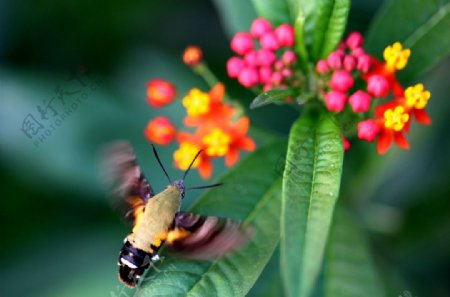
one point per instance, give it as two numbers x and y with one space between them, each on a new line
205 187
190 165
160 164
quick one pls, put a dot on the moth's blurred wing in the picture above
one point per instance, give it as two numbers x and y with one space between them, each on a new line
124 180
200 237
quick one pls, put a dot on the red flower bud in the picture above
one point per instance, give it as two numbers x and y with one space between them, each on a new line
160 131
160 93
334 60
248 77
356 52
286 72
235 66
285 35
363 63
259 27
322 67
269 41
266 57
346 143
354 40
276 78
278 65
360 101
349 62
251 59
267 87
289 57
242 43
265 74
368 130
341 81
192 56
378 86
335 101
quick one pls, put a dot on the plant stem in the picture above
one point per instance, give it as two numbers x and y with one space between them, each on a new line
203 70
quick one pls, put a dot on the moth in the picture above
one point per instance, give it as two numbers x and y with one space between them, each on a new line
157 218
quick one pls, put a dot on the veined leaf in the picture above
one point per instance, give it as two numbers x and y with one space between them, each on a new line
310 189
349 267
272 96
300 44
421 25
319 25
330 22
269 282
252 192
277 11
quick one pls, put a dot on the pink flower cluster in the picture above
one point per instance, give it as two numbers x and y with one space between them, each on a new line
341 66
264 56
350 75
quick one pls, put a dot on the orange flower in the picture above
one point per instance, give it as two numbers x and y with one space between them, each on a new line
190 145
393 119
206 108
416 98
160 130
227 140
395 58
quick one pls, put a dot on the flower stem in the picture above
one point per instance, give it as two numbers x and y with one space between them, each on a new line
203 70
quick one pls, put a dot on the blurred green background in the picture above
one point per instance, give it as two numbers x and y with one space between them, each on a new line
60 237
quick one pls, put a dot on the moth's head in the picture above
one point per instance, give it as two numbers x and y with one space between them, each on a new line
180 186
133 263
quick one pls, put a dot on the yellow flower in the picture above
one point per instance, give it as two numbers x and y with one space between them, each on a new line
396 57
396 118
185 154
416 97
217 143
196 102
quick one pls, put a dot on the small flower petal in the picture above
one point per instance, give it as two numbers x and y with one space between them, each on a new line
401 141
385 141
232 157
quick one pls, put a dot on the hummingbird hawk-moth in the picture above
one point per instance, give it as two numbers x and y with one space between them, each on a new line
157 218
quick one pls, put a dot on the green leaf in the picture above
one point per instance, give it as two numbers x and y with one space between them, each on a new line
272 96
310 189
269 283
300 44
236 15
252 192
349 267
277 11
421 25
330 22
319 26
